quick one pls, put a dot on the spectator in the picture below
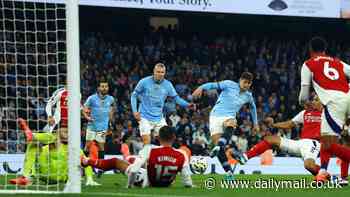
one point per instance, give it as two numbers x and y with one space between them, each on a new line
190 60
242 142
199 142
174 118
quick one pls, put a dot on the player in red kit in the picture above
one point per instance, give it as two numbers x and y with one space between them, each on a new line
59 99
329 78
307 147
162 163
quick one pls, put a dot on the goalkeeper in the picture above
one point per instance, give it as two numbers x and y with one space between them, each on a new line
52 157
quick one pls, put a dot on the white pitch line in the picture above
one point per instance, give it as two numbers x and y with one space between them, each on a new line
128 194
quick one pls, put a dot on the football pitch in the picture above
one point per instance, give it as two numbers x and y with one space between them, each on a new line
214 185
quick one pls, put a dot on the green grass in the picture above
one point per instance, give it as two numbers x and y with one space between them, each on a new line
114 185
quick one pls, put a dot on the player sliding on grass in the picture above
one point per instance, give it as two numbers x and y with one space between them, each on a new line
162 163
307 147
52 160
222 120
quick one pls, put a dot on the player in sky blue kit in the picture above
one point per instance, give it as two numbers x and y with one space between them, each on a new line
152 92
101 109
222 120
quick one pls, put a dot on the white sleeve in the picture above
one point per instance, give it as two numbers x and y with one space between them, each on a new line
306 78
186 176
306 75
53 101
140 160
346 69
299 118
186 172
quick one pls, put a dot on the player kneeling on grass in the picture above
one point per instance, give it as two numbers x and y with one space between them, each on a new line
52 160
308 147
162 163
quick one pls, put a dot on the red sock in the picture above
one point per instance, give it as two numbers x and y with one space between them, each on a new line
344 168
340 151
258 149
325 155
93 151
26 130
104 164
314 171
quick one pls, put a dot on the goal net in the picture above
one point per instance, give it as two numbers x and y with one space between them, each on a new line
36 60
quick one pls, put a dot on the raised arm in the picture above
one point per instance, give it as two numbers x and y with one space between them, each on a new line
52 102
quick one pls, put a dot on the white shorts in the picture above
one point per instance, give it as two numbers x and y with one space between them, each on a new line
334 116
304 148
99 136
216 124
147 126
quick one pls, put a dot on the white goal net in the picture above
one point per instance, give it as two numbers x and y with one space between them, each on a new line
34 64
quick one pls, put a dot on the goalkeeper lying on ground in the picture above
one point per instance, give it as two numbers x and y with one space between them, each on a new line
52 157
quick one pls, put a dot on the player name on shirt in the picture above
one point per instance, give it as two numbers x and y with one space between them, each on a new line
166 158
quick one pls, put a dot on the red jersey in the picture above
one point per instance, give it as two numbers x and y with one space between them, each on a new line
64 108
162 164
60 100
311 120
328 76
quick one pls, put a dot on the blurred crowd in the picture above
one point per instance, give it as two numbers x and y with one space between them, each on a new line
191 60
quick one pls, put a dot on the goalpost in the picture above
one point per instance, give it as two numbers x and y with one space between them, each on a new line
39 53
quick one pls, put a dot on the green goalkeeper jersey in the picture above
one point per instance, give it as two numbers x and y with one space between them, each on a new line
54 163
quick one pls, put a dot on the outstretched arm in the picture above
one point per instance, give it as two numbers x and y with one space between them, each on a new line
284 125
180 101
289 124
210 86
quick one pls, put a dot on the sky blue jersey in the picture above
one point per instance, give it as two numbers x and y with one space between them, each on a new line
100 109
152 96
230 100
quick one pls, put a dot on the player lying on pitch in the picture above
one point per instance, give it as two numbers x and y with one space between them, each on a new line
308 147
52 160
162 163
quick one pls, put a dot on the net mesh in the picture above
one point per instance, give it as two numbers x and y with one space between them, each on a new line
32 68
